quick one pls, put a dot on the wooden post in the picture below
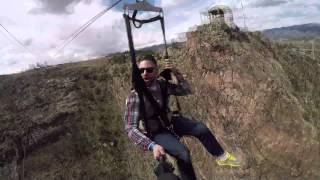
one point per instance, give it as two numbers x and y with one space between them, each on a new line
313 55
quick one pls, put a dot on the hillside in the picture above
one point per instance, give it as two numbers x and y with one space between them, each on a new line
261 100
303 31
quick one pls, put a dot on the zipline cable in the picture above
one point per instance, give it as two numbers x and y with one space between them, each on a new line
18 41
244 16
83 28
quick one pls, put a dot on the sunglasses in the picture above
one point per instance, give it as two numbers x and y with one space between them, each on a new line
149 70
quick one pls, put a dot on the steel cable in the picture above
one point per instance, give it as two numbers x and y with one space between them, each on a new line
83 28
18 41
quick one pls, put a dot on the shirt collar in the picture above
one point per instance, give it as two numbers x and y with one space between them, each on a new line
154 86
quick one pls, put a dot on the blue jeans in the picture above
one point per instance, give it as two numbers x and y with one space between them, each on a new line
187 127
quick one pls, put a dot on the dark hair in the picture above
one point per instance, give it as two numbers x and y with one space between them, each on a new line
149 57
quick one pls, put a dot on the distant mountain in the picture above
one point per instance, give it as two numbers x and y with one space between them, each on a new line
303 31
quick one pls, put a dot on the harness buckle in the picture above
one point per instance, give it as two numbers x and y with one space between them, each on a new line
171 130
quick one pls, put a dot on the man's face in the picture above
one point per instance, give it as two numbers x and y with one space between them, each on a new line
148 71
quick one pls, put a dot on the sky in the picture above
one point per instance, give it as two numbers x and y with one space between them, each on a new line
42 26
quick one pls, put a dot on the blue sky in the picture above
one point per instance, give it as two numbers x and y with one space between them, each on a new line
43 25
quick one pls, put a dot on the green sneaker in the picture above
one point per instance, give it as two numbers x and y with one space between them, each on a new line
228 160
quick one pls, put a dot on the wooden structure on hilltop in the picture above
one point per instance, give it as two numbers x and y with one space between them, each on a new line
218 14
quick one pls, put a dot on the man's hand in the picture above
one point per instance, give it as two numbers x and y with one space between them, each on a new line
158 151
168 64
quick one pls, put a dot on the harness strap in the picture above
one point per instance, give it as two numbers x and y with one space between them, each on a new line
161 112
136 80
139 84
178 106
144 21
164 37
164 93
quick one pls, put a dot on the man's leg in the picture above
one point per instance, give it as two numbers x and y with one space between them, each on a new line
175 148
184 126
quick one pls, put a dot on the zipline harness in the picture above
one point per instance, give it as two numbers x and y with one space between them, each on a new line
137 81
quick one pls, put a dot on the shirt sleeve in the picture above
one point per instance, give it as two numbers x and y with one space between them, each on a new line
131 119
181 87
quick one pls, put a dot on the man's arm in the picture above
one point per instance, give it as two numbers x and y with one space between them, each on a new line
131 119
177 86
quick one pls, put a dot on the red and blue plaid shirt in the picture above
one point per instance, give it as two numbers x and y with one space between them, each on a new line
132 115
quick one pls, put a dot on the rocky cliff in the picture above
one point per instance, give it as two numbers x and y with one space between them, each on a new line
260 99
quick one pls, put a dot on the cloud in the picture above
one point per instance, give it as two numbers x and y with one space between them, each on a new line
43 32
292 12
99 41
13 61
174 4
56 7
267 3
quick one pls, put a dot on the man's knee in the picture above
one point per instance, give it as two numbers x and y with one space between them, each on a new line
200 129
184 156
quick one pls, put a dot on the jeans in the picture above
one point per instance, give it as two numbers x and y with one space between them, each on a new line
184 126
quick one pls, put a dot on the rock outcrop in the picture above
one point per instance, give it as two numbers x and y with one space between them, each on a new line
260 99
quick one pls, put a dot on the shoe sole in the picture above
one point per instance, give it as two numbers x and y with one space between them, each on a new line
229 165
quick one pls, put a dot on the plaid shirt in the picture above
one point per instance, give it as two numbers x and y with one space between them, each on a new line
132 113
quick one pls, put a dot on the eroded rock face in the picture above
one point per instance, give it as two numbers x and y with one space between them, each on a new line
61 122
244 91
36 111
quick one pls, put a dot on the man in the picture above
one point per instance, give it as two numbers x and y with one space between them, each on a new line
159 139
